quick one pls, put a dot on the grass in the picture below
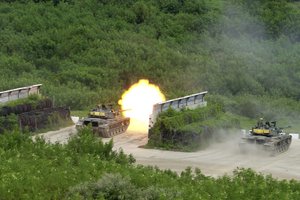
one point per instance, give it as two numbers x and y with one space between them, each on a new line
79 113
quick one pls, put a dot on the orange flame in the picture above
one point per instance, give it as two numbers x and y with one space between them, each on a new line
138 102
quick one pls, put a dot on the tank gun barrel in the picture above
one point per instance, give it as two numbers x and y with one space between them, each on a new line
124 110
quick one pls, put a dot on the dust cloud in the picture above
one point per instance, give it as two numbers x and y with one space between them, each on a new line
221 157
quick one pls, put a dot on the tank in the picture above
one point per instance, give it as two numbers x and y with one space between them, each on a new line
105 121
266 137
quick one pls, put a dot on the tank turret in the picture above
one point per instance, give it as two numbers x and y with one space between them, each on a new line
104 112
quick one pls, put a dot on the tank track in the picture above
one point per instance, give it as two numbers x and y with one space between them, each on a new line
270 145
113 129
278 146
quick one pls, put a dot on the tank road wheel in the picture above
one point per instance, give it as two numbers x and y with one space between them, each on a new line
283 148
280 148
277 149
105 134
111 133
286 147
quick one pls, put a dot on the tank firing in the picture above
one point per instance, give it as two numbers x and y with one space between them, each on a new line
138 103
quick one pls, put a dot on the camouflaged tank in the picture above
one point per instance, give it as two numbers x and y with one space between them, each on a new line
266 137
105 122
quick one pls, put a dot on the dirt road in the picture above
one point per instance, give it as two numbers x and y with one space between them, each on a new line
217 160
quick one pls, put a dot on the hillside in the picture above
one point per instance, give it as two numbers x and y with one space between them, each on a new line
85 53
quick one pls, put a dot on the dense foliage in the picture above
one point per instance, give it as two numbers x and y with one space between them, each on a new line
8 123
190 130
89 52
249 108
87 168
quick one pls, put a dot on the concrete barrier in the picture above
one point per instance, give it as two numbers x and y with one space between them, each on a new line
191 101
19 93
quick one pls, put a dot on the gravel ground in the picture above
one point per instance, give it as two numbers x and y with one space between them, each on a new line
217 160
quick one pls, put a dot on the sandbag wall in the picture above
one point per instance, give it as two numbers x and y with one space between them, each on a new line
33 116
22 108
39 119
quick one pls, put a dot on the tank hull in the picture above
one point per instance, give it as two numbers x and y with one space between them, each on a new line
105 128
272 145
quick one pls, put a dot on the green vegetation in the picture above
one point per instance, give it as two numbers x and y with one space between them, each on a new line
8 123
87 168
93 50
244 52
190 130
34 113
9 111
79 113
249 108
39 170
